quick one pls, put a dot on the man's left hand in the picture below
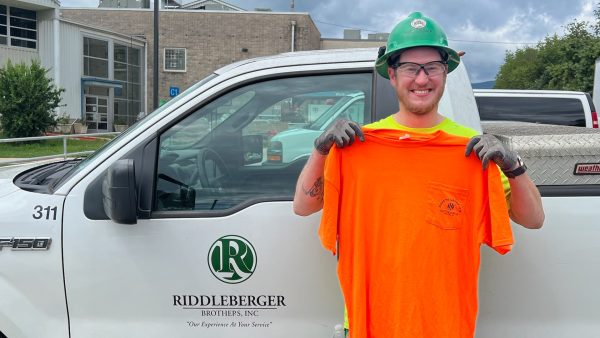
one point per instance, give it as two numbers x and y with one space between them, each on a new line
488 147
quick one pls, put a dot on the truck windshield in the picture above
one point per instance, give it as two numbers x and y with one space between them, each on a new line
138 124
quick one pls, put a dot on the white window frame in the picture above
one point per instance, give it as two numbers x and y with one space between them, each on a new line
8 26
112 40
108 59
5 25
184 60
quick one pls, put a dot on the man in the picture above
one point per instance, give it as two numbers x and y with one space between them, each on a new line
416 61
419 98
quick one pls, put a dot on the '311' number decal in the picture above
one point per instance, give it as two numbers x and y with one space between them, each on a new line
47 212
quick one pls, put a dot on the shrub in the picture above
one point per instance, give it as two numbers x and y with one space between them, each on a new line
27 100
63 118
122 120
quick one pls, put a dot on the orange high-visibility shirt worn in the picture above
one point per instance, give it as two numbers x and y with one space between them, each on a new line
408 213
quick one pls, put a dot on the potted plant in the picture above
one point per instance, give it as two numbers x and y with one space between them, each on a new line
80 127
120 123
63 123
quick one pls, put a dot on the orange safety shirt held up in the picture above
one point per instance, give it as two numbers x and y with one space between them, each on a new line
408 213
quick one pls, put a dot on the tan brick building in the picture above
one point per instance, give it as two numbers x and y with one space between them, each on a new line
207 40
103 57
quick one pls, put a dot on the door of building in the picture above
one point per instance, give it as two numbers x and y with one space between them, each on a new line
96 112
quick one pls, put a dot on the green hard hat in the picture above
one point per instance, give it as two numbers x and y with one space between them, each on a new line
417 30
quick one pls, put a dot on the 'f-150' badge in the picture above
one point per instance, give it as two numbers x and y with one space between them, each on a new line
25 243
232 259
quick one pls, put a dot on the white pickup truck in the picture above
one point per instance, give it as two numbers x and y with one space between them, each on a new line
181 226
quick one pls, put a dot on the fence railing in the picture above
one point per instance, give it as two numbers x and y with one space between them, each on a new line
64 154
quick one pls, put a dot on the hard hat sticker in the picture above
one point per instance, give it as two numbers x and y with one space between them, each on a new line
418 23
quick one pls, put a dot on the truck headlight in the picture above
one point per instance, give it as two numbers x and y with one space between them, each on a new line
274 152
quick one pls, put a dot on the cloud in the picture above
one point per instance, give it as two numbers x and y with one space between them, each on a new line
485 29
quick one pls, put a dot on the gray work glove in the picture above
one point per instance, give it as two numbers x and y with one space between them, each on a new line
488 147
342 133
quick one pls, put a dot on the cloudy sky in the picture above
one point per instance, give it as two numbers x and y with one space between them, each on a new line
484 29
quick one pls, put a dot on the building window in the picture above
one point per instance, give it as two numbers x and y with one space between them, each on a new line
175 59
3 26
18 27
121 65
95 57
128 70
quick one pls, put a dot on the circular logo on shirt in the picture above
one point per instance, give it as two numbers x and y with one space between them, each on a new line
450 207
232 259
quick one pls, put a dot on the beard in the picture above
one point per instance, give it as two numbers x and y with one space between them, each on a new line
419 107
422 107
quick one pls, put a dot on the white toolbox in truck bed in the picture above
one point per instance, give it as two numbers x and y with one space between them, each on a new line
554 155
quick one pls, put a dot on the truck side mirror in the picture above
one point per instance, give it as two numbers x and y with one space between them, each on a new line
119 196
252 147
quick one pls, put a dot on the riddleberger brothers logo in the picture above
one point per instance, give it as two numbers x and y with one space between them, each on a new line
230 302
230 311
232 259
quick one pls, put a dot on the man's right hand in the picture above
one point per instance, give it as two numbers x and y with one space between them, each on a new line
342 133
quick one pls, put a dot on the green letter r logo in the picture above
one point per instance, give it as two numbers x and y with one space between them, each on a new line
232 259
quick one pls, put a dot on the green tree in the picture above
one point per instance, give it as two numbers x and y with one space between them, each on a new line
27 100
558 62
520 69
569 61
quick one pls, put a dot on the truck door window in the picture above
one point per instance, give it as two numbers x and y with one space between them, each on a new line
224 155
355 112
188 132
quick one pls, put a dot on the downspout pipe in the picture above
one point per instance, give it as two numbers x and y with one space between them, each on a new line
56 51
155 82
293 34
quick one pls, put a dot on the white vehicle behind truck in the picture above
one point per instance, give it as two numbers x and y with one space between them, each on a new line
180 227
559 107
292 144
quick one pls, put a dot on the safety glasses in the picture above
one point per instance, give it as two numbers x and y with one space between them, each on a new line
412 69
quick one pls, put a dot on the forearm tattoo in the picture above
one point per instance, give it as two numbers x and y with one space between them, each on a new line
316 190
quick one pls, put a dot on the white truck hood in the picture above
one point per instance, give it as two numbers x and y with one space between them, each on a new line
7 187
12 170
8 173
294 133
